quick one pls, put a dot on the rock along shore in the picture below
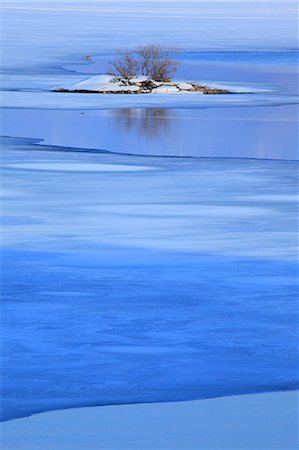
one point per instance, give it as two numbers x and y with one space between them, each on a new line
141 87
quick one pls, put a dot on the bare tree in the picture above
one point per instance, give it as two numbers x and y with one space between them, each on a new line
153 61
156 62
163 70
126 67
148 53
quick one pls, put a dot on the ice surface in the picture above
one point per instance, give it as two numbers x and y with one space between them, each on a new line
174 218
73 167
57 100
247 422
51 32
121 287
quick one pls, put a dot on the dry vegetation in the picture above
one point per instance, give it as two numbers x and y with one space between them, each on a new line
151 61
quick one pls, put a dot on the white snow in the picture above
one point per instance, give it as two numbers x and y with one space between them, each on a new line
115 87
138 79
92 83
101 83
105 83
185 86
164 89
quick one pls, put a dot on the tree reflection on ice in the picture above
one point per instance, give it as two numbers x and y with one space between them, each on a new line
151 122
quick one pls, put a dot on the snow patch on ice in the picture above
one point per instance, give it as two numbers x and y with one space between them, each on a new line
166 90
101 83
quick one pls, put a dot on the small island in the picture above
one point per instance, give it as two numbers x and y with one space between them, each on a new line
100 85
148 69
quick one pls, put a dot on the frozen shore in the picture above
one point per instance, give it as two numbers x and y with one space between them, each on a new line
262 421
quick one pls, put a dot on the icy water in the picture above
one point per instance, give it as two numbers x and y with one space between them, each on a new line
149 241
175 281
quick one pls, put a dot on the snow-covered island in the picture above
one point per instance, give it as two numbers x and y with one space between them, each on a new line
106 84
147 69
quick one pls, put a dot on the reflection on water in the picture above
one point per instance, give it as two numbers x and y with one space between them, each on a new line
151 122
255 132
226 132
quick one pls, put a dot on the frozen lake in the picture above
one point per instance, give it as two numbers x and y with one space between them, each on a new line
149 242
134 279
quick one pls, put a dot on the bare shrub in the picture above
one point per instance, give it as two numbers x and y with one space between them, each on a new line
163 70
153 61
148 53
126 67
156 62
